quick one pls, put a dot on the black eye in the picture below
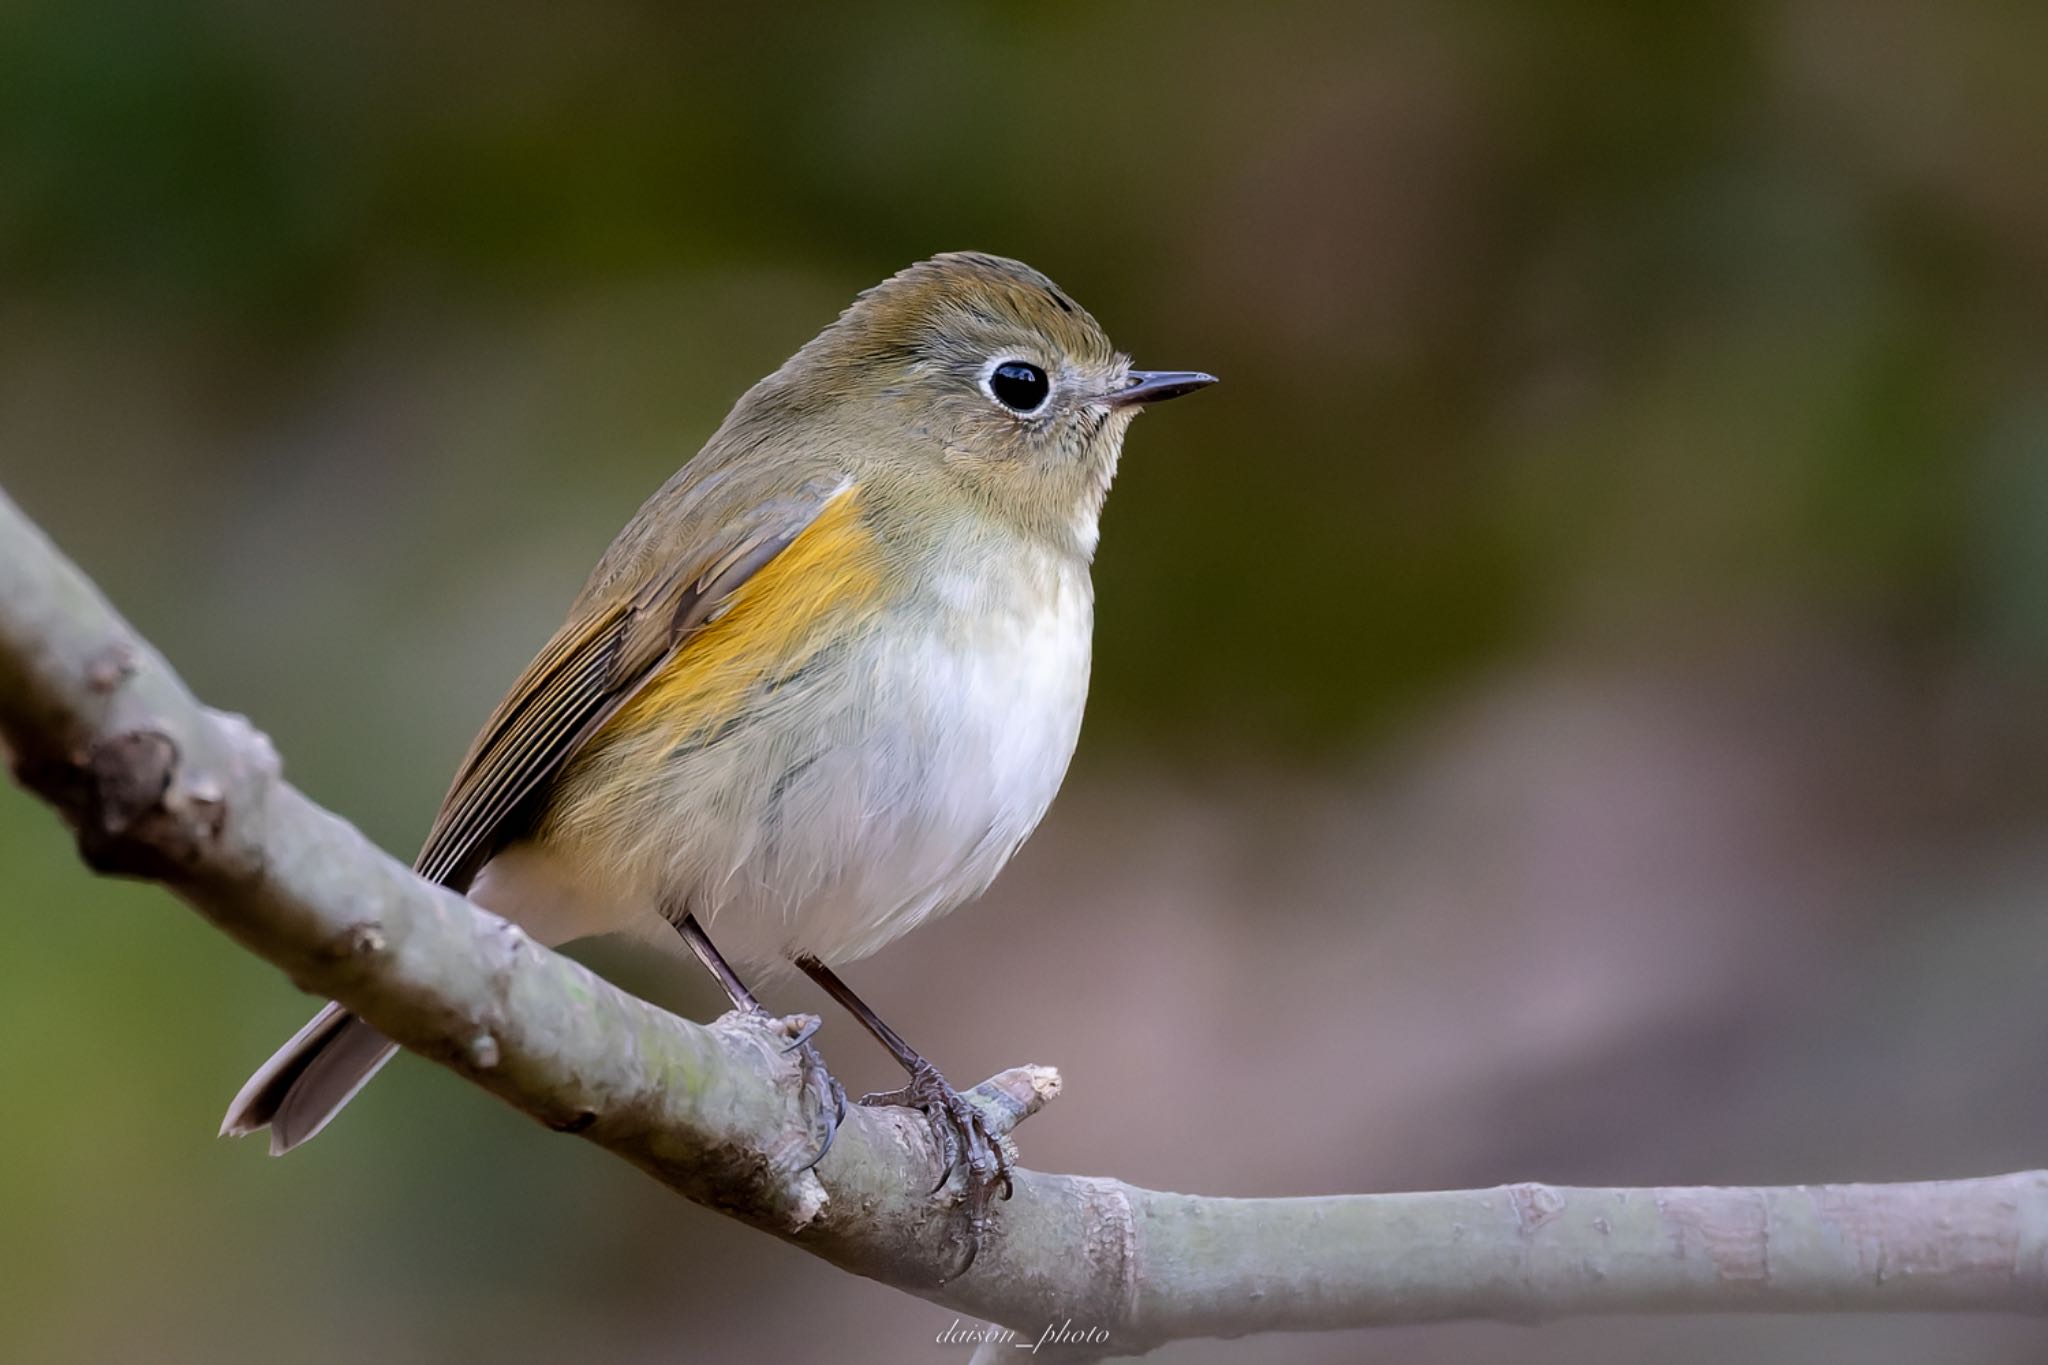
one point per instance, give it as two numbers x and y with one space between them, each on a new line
1019 385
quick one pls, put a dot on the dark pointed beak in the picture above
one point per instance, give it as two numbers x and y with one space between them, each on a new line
1156 386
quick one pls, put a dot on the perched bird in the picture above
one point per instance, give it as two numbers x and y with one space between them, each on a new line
821 687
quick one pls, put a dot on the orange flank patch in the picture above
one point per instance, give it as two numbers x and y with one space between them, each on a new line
795 605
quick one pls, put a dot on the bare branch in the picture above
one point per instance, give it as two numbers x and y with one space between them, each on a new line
157 786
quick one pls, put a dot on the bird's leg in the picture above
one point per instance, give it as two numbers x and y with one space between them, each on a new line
714 962
963 1136
818 1082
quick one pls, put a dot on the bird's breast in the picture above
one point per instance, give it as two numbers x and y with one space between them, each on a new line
1005 676
886 780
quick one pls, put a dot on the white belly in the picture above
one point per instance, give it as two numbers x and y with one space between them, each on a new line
888 787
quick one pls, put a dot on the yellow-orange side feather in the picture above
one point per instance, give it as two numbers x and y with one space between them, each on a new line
686 643
772 625
818 591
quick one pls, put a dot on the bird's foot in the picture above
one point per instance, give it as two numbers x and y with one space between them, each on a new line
827 1095
965 1141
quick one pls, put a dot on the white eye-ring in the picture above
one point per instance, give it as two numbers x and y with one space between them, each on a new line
1018 385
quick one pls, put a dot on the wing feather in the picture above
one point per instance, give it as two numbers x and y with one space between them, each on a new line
591 667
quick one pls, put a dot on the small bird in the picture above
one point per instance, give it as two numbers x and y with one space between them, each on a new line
821 687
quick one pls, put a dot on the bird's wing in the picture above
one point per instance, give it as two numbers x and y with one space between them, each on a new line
609 648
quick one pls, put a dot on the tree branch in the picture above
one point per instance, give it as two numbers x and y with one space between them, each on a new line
157 786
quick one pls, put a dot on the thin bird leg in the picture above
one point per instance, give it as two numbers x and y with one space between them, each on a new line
961 1132
905 1055
818 1082
714 962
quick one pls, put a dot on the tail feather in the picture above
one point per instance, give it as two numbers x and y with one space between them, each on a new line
305 1084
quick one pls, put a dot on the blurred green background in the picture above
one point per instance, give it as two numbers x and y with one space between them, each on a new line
1570 706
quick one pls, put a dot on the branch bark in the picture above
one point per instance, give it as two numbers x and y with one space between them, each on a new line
159 787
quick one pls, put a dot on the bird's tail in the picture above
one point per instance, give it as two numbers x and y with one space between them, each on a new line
301 1088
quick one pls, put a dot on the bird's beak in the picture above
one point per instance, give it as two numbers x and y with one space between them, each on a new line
1156 386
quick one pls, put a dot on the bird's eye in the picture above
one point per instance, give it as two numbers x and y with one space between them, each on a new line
1019 385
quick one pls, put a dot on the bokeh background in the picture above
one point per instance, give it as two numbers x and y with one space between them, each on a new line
1573 705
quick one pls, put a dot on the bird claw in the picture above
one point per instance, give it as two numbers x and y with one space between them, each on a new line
827 1095
804 1035
965 1143
825 1091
